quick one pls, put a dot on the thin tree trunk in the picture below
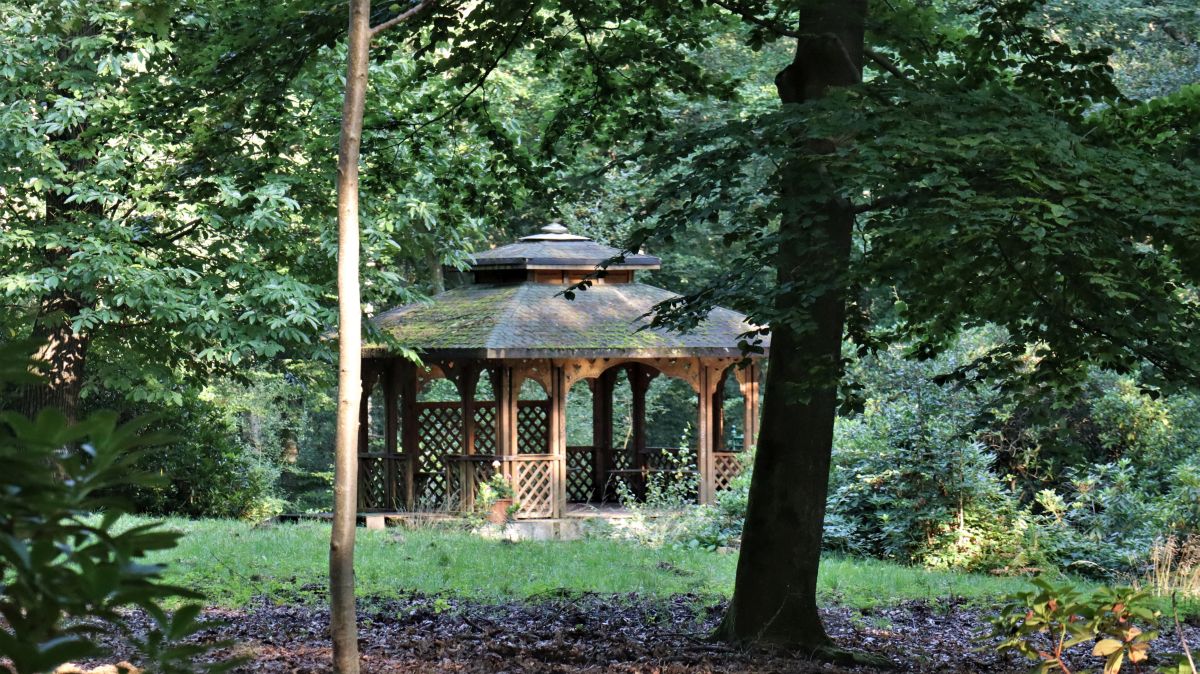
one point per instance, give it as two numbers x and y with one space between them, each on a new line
342 623
774 597
63 354
437 277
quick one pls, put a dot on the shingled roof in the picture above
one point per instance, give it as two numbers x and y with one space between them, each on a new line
533 320
555 248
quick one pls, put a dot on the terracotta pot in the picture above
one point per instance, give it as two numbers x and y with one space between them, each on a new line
499 512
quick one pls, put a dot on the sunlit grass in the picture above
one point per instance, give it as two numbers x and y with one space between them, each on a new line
231 562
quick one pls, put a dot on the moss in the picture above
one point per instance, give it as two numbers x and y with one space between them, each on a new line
531 316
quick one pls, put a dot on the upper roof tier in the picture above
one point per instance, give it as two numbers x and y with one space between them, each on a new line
554 248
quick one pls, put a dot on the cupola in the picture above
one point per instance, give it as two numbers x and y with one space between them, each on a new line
556 256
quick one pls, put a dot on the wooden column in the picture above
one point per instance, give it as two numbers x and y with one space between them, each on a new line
748 380
468 376
364 407
364 435
409 433
718 411
704 433
391 391
639 383
602 433
558 435
506 410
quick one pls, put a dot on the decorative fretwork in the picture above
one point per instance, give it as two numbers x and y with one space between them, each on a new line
726 466
580 473
534 479
533 426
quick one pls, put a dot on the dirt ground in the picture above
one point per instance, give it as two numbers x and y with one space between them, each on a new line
600 634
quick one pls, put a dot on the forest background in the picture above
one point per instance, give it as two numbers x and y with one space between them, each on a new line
215 323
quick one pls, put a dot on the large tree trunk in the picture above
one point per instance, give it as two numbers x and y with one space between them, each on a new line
62 355
342 623
774 597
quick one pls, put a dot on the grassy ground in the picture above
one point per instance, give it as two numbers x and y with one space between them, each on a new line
232 561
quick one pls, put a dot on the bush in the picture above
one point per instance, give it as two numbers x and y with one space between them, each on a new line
205 472
63 567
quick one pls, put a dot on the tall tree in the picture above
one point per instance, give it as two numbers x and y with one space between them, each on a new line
983 173
343 626
775 597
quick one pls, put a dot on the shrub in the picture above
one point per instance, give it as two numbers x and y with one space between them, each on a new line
63 567
206 472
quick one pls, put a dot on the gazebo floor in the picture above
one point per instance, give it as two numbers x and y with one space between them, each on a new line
572 525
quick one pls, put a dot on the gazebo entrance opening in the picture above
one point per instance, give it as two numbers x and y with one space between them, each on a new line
500 358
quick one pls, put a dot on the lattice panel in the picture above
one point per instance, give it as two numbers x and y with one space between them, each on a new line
580 474
483 472
622 458
485 428
534 486
533 427
374 473
439 433
372 483
430 490
726 466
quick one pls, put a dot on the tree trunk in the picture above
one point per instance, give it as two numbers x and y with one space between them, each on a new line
437 277
774 598
342 623
62 354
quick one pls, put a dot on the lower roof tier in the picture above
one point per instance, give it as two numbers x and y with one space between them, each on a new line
533 320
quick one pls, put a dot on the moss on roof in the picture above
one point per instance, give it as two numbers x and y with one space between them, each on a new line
533 320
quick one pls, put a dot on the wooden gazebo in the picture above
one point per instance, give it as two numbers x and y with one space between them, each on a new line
510 325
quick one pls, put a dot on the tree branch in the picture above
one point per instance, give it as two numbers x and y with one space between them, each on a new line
402 17
883 62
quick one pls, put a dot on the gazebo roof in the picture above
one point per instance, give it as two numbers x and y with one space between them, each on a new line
533 320
555 248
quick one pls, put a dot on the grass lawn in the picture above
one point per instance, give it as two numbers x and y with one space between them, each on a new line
232 561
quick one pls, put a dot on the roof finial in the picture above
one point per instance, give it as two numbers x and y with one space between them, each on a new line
554 232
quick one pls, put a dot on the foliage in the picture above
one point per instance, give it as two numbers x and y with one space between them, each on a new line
1069 617
664 511
207 471
62 568
497 488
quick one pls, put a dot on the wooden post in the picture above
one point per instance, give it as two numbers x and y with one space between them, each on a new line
410 434
748 380
364 432
718 412
602 424
558 435
506 411
468 376
704 433
639 382
391 390
364 408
